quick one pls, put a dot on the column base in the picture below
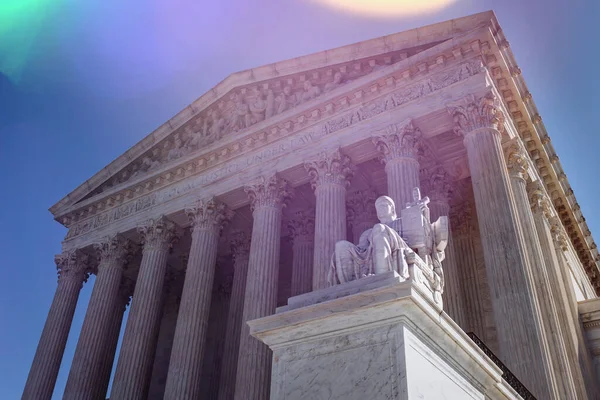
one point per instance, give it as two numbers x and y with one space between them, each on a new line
375 338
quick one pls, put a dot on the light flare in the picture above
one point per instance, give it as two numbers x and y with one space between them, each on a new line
20 24
387 8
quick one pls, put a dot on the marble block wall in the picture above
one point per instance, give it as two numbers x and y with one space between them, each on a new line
386 341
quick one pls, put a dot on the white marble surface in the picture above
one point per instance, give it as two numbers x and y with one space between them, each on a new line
387 341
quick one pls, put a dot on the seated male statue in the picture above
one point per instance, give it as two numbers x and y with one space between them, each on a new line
384 247
379 250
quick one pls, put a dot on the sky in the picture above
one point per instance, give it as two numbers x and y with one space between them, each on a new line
83 81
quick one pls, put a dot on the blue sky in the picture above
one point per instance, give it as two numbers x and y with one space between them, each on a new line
99 75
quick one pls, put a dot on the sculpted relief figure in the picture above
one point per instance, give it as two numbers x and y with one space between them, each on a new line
178 150
310 92
257 108
337 81
285 100
393 244
240 114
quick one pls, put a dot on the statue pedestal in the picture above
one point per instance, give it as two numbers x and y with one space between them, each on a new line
374 338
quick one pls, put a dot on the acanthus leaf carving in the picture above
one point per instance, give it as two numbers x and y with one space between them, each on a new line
472 113
158 234
401 140
301 227
360 206
438 184
72 264
271 191
114 251
209 214
517 161
330 167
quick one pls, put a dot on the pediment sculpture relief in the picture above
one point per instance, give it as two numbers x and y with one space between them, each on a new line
243 109
393 244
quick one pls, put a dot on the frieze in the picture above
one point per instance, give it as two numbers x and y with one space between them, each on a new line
369 110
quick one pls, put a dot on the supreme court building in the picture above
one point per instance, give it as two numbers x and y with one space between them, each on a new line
235 205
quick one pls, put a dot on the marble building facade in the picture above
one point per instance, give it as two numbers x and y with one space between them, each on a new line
236 203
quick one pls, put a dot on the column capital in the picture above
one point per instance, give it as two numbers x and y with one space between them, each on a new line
330 167
72 264
473 113
240 245
271 191
538 199
401 140
437 181
209 214
516 161
114 251
561 240
360 206
159 233
302 227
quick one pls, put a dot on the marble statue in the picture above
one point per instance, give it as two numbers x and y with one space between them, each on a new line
393 244
380 249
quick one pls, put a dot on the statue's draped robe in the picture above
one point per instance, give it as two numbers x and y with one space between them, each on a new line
351 262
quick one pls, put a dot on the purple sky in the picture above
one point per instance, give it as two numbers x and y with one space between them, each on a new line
102 74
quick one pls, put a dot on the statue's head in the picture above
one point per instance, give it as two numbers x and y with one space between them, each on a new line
386 209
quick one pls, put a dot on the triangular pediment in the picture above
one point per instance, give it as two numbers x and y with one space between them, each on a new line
248 98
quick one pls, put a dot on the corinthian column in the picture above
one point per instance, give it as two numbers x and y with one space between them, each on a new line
517 163
123 297
240 248
439 191
302 232
541 209
87 366
519 326
139 341
462 239
72 272
267 198
400 146
361 213
207 218
330 175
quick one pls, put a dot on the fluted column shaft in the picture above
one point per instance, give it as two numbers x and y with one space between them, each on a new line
42 376
452 295
518 323
554 344
240 244
166 334
185 366
402 177
540 208
302 232
113 339
302 253
465 257
87 366
400 146
254 359
134 365
330 175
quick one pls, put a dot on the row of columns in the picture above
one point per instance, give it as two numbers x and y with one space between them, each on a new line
526 311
